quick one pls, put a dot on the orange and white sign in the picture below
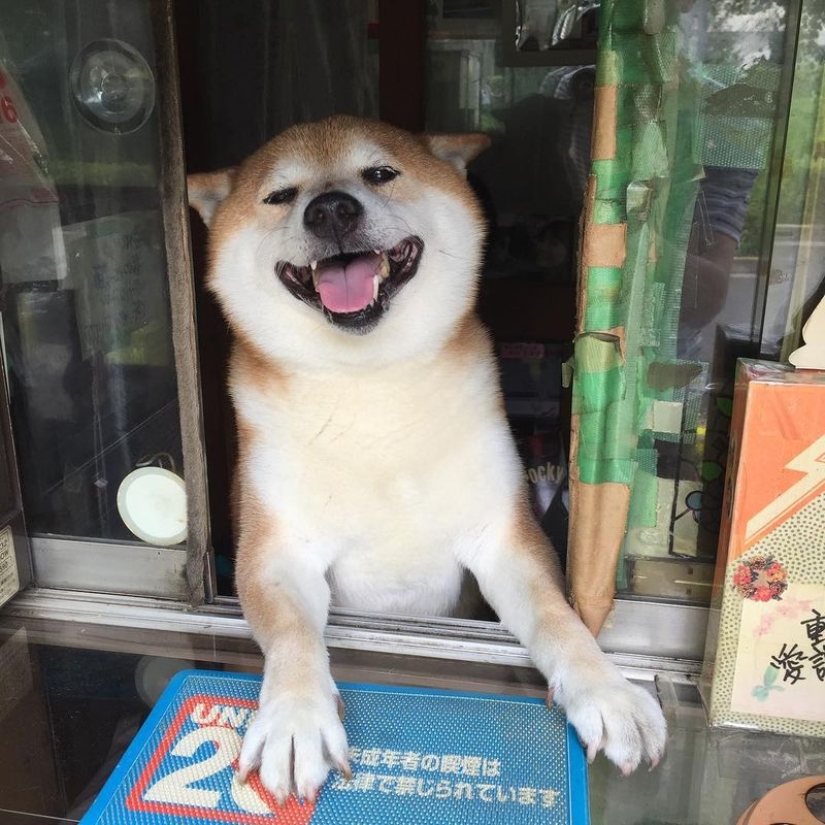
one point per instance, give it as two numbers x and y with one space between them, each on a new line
765 653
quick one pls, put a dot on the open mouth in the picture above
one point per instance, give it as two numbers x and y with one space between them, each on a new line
354 289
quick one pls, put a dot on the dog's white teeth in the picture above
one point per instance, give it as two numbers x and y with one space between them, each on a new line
376 282
313 265
384 269
376 251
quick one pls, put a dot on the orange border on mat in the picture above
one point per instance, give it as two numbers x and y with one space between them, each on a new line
292 813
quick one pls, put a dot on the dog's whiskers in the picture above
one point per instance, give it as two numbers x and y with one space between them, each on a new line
390 194
268 237
455 257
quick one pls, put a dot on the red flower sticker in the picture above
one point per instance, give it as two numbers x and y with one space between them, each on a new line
761 578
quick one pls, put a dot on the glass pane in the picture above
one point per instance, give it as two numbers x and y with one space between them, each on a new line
8 499
797 270
698 98
268 64
84 288
78 708
245 64
531 183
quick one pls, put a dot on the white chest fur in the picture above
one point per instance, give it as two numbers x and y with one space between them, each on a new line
385 475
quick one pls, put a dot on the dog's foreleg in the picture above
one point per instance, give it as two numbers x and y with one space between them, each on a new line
297 735
519 575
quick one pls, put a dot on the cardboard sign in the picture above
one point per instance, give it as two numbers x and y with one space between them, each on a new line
765 653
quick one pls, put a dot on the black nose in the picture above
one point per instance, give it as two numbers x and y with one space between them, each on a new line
332 215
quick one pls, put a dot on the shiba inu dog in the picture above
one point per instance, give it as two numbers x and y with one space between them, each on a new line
376 465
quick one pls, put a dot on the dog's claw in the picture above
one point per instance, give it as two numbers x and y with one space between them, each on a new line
342 708
551 693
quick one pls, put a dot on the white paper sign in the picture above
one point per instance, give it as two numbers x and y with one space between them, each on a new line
9 579
780 660
117 268
811 355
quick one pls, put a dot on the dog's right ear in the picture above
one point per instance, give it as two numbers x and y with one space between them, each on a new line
458 149
207 190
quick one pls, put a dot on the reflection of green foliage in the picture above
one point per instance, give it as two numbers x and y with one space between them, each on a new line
798 151
710 470
753 94
725 405
810 30
122 173
741 100
801 139
804 105
752 230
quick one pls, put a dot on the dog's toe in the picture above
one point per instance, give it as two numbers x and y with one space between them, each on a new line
276 765
294 742
251 750
623 720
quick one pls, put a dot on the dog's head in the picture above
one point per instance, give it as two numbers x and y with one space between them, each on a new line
345 241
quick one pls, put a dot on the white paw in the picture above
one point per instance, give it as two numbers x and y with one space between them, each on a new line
294 741
621 719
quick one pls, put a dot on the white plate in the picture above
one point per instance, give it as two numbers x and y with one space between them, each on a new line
152 503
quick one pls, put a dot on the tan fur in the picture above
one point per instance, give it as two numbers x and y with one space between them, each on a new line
470 340
250 367
315 146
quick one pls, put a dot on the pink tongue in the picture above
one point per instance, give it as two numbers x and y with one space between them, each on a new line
348 288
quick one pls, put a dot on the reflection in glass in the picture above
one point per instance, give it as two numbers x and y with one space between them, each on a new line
735 63
82 260
531 183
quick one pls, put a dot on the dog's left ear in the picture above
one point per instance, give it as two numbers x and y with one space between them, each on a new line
207 189
457 149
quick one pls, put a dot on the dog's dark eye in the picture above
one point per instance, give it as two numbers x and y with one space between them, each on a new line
281 196
380 174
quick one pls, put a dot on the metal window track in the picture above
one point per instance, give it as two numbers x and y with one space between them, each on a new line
450 639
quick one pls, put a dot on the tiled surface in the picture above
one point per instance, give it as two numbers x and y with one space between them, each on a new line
72 697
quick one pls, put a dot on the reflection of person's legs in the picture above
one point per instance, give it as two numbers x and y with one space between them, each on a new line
720 217
705 286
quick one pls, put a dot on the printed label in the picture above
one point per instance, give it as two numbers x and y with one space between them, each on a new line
9 579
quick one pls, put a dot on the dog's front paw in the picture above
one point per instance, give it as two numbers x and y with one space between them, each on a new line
622 719
294 741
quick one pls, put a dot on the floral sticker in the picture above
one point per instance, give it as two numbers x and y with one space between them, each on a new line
761 578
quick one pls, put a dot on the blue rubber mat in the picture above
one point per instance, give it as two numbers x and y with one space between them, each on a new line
417 756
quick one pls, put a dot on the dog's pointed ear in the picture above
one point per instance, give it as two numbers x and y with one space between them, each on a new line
207 190
457 149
